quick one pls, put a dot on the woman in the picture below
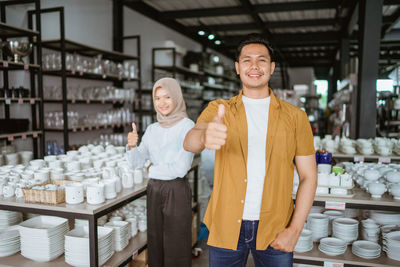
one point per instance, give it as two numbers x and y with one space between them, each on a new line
169 198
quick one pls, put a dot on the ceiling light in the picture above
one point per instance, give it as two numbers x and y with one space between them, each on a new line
217 42
211 36
201 33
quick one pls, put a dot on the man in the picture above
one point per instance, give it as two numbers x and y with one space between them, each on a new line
256 137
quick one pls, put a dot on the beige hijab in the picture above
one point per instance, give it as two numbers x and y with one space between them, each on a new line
179 111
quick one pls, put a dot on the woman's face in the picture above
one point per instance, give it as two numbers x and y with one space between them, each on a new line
163 101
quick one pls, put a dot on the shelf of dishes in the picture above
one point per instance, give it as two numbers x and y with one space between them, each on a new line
12 65
341 237
120 235
179 69
23 135
90 94
88 128
20 100
85 75
136 245
54 121
365 147
8 31
377 184
86 50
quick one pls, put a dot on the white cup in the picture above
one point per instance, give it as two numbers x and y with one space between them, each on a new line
42 175
109 188
95 194
55 164
324 168
134 225
9 190
128 179
73 165
73 193
138 176
50 158
37 163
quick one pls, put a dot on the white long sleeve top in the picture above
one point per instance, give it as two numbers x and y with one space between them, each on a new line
164 148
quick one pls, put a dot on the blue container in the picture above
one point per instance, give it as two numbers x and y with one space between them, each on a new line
317 157
325 158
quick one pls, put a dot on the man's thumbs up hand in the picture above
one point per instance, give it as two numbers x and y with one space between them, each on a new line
133 137
216 132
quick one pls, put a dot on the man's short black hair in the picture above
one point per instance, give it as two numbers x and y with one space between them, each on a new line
254 38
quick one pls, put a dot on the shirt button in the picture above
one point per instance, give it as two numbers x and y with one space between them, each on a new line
242 201
245 180
238 221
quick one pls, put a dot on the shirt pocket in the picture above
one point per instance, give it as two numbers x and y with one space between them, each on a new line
284 143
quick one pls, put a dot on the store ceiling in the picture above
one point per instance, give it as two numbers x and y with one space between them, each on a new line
305 33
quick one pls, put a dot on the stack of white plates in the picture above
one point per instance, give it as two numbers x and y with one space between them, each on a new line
385 217
8 218
333 214
9 241
121 233
77 251
366 249
332 246
305 242
392 245
81 223
345 229
42 237
318 224
370 230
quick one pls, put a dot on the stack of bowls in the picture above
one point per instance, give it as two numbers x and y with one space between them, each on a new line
318 224
370 230
345 229
305 242
333 214
332 246
392 245
366 249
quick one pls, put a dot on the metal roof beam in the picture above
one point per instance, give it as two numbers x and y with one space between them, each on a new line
259 8
269 25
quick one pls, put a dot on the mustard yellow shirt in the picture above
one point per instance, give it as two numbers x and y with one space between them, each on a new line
289 135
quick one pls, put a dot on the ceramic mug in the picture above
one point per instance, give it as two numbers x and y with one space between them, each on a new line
73 193
138 176
128 179
95 194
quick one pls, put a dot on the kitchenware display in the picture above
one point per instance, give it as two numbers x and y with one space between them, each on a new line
332 246
17 49
345 229
366 249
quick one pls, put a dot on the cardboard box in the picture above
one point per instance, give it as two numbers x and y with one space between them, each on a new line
140 260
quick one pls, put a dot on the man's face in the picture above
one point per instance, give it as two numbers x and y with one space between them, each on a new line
254 66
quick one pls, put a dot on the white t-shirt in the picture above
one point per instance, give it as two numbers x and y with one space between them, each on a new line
257 124
164 148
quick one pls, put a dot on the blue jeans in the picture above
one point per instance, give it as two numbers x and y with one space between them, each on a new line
221 257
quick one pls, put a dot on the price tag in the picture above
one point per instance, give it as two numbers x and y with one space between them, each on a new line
73 101
114 102
8 101
119 78
135 254
73 72
103 101
384 160
20 101
82 129
88 101
5 64
11 138
129 78
333 264
74 130
23 136
333 205
26 67
32 101
97 127
90 128
81 73
104 76
112 125
35 135
358 159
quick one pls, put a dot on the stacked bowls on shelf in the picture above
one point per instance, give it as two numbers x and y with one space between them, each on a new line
9 241
332 246
305 242
392 245
370 231
77 251
345 229
385 217
333 214
42 237
366 249
318 224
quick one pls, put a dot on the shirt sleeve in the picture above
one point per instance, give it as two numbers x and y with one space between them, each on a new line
182 163
209 112
304 135
137 156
